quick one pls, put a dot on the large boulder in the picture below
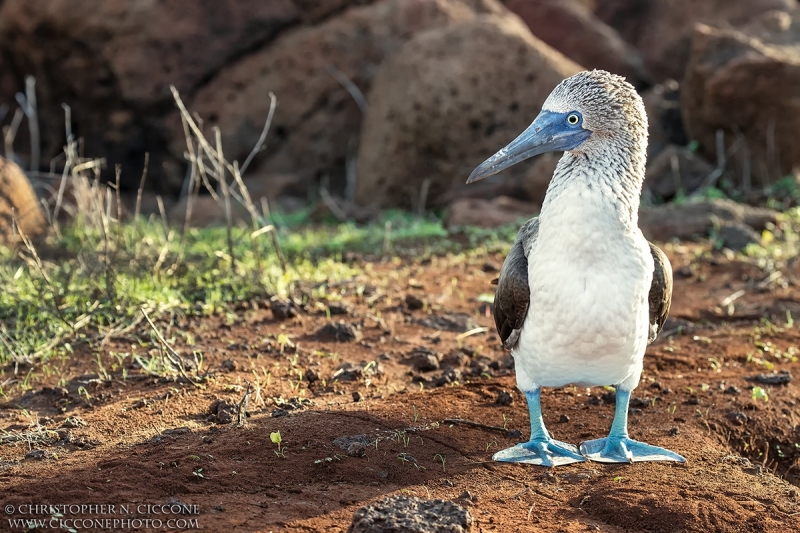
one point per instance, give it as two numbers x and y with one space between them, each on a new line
676 169
664 119
445 102
572 29
317 122
113 61
8 86
745 83
662 29
482 213
696 219
18 202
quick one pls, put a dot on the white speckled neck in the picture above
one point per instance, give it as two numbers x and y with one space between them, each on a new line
610 170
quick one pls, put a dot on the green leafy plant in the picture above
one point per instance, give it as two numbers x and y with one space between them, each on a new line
276 439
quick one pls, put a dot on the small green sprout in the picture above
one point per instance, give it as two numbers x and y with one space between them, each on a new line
275 437
760 394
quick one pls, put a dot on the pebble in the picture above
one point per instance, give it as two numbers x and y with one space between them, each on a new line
504 398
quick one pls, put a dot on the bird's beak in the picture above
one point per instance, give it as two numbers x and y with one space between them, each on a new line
548 133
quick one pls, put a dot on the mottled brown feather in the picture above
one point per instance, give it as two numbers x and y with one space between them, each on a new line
660 296
513 294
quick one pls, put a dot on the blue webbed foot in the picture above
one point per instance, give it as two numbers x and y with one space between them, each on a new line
544 452
541 449
618 447
625 450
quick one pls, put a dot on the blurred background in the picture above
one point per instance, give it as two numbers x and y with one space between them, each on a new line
389 103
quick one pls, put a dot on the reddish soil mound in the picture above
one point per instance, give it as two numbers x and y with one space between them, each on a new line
371 415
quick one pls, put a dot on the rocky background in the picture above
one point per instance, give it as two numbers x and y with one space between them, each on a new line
391 103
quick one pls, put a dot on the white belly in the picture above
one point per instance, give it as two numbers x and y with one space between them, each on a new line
588 319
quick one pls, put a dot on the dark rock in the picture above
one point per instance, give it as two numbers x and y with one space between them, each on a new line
277 413
694 400
295 403
664 119
114 61
37 455
736 235
339 332
414 303
311 375
337 308
411 515
676 169
563 419
348 372
222 412
455 322
737 418
499 211
674 431
357 450
73 422
662 31
451 375
480 366
445 102
317 118
355 446
693 219
423 359
762 60
732 390
469 351
455 359
784 377
640 402
282 309
357 397
231 365
504 398
571 28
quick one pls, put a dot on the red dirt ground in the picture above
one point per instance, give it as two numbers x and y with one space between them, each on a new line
154 440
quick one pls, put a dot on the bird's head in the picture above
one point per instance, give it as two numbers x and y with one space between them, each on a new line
582 115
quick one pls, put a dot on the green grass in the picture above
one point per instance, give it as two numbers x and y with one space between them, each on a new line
89 283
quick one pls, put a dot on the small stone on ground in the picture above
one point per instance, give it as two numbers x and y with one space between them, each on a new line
412 515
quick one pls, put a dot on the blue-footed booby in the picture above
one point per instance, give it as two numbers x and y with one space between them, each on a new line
582 293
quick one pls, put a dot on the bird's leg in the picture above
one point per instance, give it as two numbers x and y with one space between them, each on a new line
541 449
618 447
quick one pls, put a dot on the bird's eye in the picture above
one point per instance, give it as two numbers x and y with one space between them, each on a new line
573 119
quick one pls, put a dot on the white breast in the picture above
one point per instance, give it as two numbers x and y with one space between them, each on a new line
589 276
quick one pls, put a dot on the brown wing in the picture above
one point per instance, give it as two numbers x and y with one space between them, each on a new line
513 294
660 291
